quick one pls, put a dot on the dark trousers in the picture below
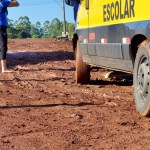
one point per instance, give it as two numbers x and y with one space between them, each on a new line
3 42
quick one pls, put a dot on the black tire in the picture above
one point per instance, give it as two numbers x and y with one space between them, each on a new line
82 69
141 81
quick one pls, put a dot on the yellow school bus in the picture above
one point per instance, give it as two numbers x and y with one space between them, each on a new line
115 34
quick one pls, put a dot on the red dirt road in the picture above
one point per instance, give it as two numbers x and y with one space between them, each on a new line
42 108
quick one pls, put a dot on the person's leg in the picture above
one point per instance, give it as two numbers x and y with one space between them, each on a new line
3 49
0 67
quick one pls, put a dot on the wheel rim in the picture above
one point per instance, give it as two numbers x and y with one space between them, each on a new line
143 80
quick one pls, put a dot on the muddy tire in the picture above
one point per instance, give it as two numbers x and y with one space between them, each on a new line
82 69
141 81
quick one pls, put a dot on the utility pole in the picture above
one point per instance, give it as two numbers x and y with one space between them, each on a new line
64 17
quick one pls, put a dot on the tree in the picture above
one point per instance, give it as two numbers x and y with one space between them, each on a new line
33 32
10 22
55 28
23 24
70 29
46 31
22 28
36 30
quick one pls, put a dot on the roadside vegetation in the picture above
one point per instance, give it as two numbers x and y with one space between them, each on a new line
22 28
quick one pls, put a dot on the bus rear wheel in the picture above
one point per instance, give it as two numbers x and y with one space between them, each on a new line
82 69
141 81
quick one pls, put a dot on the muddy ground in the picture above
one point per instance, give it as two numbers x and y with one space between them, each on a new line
42 108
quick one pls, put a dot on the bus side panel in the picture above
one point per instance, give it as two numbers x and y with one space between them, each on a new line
104 54
106 41
105 63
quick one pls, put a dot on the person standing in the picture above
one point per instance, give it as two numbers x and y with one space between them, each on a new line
3 32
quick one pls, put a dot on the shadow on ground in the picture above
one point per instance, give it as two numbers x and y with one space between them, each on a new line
123 82
80 104
22 58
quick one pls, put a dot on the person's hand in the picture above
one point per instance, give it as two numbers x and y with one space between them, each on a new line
13 3
13 0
